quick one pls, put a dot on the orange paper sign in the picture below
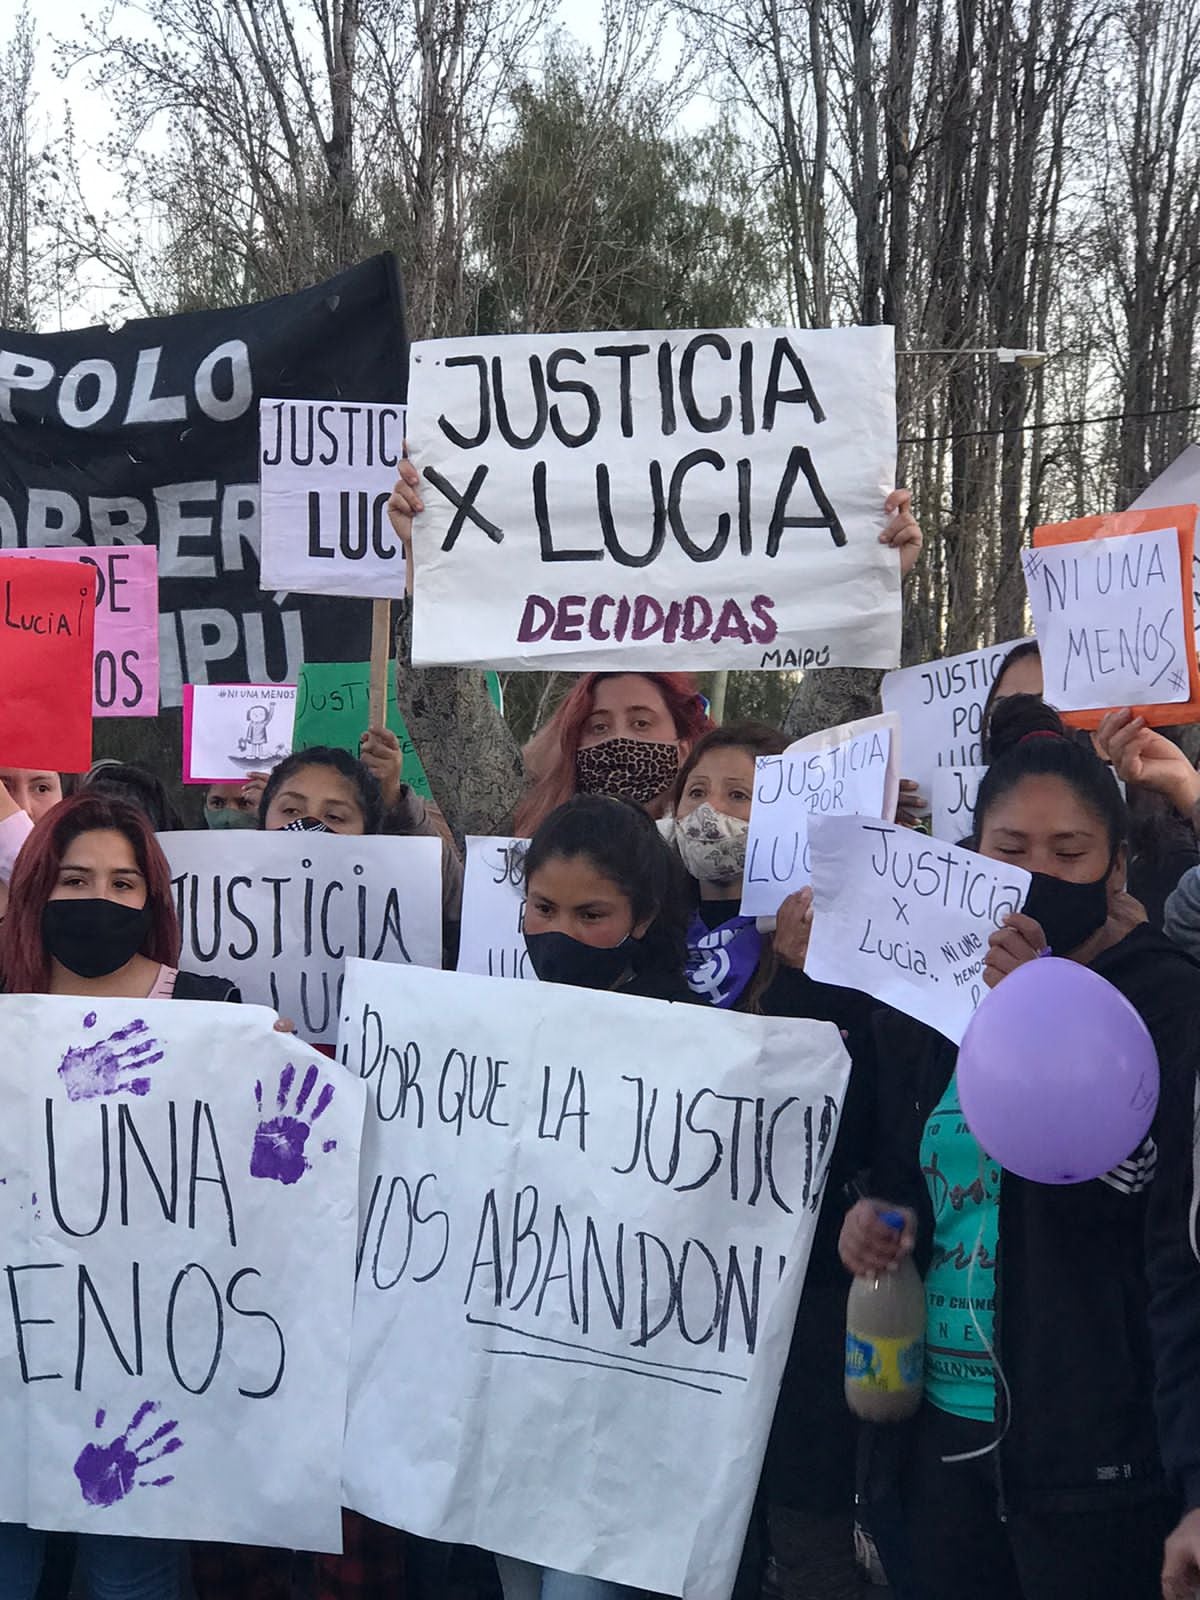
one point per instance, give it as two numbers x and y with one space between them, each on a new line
1184 519
47 619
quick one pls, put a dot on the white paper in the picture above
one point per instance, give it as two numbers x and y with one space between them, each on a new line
1179 485
518 1383
327 470
492 942
940 706
144 1185
278 913
1108 614
952 799
624 499
238 728
848 770
906 918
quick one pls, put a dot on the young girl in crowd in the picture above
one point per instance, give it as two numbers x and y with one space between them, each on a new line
479 777
1034 1471
90 913
603 910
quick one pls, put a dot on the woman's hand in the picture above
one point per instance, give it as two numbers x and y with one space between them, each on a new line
911 805
1019 939
252 789
1181 1560
868 1245
793 928
379 751
1140 756
284 1025
404 505
903 531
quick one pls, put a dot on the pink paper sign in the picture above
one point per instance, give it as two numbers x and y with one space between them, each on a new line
125 663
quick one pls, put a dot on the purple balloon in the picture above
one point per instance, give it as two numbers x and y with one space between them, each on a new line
1057 1073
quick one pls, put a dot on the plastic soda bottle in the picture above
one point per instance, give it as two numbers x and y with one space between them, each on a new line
885 1340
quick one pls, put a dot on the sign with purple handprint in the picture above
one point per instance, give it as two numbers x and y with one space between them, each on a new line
583 1217
178 1186
279 913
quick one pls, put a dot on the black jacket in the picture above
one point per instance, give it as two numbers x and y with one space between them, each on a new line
1072 1301
195 986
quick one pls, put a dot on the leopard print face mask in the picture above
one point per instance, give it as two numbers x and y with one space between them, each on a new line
627 769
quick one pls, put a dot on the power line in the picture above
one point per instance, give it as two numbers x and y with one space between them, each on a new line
1037 427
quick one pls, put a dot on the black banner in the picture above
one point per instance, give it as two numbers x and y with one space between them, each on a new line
149 435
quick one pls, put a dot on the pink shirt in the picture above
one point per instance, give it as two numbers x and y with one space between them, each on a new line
164 985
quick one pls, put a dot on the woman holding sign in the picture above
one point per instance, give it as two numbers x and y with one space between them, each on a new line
1035 1470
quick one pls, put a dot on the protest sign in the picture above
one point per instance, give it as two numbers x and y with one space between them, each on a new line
279 913
952 801
232 730
582 1220
177 1220
656 500
326 472
1178 485
940 706
904 918
1122 619
47 618
125 662
493 910
851 770
1109 616
148 434
332 709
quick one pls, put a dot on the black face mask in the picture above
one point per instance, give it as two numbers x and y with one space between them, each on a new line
1069 913
92 938
557 958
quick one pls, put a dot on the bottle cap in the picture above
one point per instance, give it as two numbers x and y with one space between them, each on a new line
894 1219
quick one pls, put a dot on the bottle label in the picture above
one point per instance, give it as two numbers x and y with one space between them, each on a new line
884 1366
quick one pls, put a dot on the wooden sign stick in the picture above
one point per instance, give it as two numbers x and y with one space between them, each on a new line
381 650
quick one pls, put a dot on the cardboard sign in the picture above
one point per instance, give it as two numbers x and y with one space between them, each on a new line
953 801
47 624
279 913
327 468
232 730
656 500
940 706
125 662
177 1231
492 943
585 1226
1131 639
332 708
905 918
1109 614
849 770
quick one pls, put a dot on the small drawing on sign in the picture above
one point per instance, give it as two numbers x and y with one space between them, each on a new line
280 1141
110 1066
108 1472
252 749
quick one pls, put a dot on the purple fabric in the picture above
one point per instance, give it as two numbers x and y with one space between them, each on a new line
721 962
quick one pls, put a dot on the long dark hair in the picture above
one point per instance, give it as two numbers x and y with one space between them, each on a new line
1019 652
757 738
364 782
624 845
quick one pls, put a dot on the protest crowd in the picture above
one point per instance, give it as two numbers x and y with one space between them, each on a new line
868 1033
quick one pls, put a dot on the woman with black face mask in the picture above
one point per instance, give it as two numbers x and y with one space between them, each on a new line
91 912
1034 1469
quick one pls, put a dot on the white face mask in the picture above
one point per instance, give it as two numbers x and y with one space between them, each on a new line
712 845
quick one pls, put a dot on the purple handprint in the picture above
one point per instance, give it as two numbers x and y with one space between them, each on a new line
109 1066
279 1142
107 1472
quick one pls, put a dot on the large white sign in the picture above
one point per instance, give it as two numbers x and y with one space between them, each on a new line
585 1225
694 499
492 942
278 913
327 468
848 770
1179 485
940 706
906 918
952 801
1109 617
177 1231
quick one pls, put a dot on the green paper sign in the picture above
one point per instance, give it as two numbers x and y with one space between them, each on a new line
331 708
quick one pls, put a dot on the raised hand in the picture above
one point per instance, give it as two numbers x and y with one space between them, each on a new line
280 1141
404 505
902 531
110 1066
108 1472
1140 756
